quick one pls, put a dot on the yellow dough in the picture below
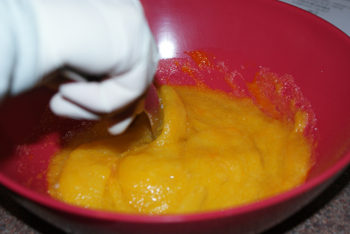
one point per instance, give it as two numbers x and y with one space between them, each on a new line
214 151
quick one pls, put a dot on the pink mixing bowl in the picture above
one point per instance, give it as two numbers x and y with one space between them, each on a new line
250 33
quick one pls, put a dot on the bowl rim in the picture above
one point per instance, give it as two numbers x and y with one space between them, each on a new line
52 203
339 166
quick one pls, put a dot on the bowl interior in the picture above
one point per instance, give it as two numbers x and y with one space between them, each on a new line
242 33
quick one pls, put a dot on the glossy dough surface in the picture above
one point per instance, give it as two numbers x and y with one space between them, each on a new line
214 151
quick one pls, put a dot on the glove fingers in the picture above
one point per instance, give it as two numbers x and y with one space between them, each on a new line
121 126
109 95
65 108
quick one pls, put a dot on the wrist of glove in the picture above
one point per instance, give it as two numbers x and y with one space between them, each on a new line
106 38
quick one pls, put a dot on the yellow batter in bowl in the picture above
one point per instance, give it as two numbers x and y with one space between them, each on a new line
214 151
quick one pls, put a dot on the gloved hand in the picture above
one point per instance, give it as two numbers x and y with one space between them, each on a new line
104 38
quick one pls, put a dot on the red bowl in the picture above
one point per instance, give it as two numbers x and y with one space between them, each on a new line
250 33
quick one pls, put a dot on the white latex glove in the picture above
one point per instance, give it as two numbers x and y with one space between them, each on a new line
108 38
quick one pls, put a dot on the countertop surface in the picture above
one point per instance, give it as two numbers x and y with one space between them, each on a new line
327 213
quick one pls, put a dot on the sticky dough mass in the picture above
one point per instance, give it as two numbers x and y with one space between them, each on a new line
214 151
